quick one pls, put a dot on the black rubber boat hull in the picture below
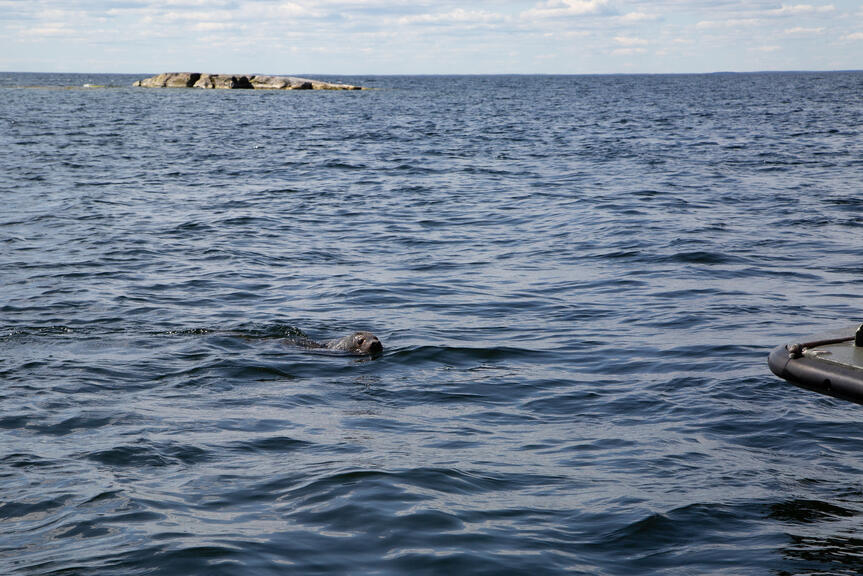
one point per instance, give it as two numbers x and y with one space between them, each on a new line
814 366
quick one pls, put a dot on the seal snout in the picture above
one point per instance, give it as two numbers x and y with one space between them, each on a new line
368 343
375 347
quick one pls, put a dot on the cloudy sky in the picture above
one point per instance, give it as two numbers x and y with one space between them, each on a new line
425 37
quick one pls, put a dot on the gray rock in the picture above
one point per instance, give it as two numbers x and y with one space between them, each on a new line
223 81
228 81
206 81
271 82
170 80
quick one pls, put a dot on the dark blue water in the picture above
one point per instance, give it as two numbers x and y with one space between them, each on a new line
577 281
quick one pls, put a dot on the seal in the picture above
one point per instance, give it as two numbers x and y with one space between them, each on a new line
364 343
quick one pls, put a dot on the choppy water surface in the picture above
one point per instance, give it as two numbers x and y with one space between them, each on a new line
577 281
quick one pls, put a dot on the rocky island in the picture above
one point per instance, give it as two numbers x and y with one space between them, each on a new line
232 81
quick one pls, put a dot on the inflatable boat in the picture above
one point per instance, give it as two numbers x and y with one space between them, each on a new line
830 365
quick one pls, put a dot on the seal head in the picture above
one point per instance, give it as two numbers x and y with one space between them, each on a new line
364 343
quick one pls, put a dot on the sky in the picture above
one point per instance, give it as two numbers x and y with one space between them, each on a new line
347 37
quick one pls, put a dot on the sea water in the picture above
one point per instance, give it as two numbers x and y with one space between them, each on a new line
577 281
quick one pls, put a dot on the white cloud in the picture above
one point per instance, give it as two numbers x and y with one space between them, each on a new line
558 8
729 23
628 51
195 3
633 17
853 36
263 13
629 46
47 30
796 9
211 26
282 10
216 15
457 16
801 31
629 41
54 14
